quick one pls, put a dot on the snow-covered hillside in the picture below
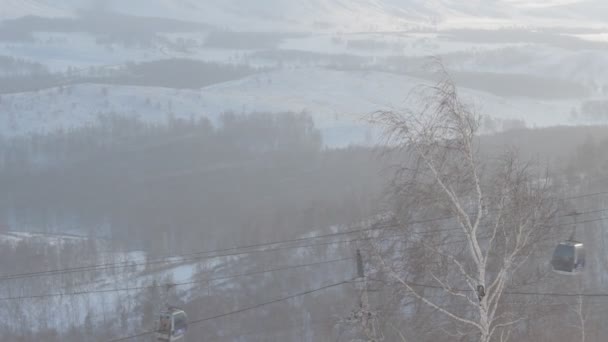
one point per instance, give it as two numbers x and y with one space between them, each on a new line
115 293
347 15
11 9
338 100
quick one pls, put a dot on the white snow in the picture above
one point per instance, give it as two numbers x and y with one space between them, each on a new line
14 238
339 101
339 15
593 37
62 312
11 9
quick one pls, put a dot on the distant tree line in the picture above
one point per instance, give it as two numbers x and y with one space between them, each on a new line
170 73
119 27
11 66
187 184
521 35
246 40
312 58
594 110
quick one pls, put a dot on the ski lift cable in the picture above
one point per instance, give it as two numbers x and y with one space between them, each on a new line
207 280
128 263
594 194
166 259
257 306
250 308
245 253
176 258
261 272
184 257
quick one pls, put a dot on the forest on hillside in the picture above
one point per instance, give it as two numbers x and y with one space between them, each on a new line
186 184
122 186
137 192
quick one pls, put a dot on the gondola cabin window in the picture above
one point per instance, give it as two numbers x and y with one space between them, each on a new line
180 324
165 324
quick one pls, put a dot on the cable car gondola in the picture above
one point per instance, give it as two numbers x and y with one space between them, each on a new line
569 258
173 325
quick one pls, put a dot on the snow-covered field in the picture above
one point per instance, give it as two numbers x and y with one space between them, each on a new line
338 100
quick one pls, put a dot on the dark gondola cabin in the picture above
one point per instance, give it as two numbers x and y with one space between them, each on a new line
172 326
568 258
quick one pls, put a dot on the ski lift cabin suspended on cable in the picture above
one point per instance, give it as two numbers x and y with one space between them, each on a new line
569 258
172 326
173 323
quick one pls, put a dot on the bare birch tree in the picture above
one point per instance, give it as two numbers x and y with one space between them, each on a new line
497 211
581 317
581 311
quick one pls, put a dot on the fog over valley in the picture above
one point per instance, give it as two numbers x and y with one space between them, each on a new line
321 170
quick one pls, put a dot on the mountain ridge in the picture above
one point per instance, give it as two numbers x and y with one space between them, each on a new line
337 15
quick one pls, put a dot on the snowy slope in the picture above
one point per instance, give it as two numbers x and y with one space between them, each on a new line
10 9
102 296
337 100
347 15
587 67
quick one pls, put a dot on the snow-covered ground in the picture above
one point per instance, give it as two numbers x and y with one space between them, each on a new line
110 291
339 15
62 51
12 9
387 44
71 310
588 67
14 238
339 101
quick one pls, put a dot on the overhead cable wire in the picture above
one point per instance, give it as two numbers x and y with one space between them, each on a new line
201 281
238 311
181 258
